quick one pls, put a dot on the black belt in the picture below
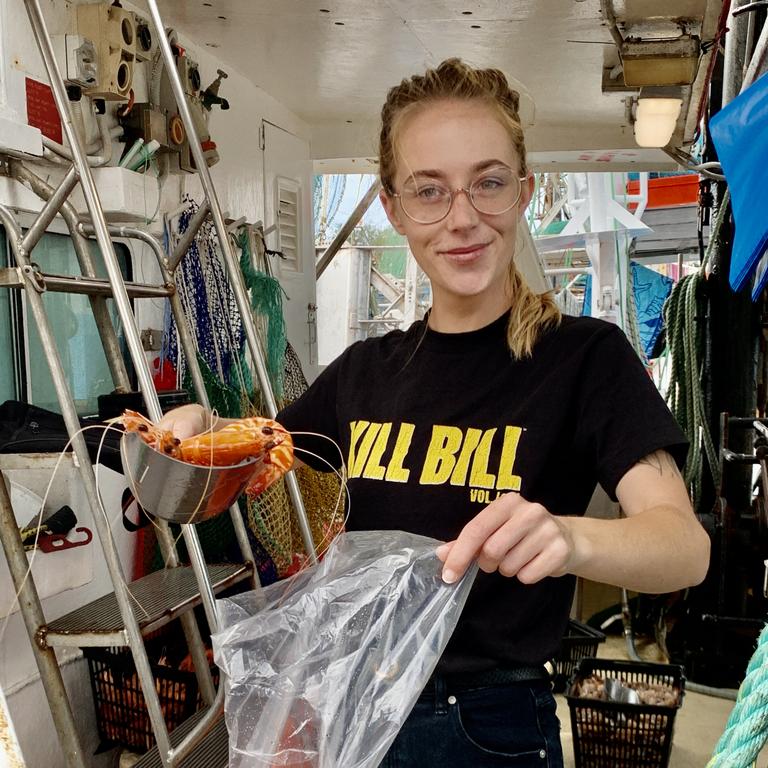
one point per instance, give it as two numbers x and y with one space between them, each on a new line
462 681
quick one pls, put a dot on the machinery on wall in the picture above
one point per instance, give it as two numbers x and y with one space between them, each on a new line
112 67
156 122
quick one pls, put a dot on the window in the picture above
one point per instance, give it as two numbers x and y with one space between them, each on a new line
73 325
288 226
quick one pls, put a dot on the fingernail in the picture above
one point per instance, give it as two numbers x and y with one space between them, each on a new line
449 576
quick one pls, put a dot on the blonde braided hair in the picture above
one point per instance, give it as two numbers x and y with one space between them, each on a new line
531 313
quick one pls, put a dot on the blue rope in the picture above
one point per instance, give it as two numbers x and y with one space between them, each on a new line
747 728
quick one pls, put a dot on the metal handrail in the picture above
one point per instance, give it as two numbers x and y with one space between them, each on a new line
133 342
230 262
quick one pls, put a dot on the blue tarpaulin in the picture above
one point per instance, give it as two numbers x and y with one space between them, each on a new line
740 133
650 290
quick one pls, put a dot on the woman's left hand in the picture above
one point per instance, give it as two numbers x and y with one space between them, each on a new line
514 537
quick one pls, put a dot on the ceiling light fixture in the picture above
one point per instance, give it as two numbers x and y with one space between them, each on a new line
655 120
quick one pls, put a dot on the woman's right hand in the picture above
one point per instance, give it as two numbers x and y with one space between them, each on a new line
186 421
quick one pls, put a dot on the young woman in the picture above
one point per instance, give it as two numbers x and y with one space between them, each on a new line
488 424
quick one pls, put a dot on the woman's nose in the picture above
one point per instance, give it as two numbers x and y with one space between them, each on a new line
462 214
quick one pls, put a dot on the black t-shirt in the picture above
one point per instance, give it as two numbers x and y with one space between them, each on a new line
433 426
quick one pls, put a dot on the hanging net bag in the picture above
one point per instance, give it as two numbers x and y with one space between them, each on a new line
270 515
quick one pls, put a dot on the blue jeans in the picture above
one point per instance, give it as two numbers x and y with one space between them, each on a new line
511 725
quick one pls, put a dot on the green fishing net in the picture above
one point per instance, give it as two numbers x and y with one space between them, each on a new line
266 296
269 516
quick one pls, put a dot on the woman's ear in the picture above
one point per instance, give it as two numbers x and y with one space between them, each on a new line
392 209
527 193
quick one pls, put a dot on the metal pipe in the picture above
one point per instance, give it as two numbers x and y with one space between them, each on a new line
642 198
189 742
191 631
610 20
569 271
80 285
49 210
133 341
60 151
750 39
230 262
32 613
758 58
101 316
186 239
347 227
734 57
749 8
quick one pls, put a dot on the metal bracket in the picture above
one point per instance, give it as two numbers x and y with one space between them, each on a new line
53 542
765 578
34 276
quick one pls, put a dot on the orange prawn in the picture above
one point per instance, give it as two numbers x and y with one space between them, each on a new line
252 438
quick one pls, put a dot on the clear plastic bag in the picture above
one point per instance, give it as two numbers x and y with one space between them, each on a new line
322 669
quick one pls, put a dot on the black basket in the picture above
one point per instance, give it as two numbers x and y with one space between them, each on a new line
609 734
580 642
121 714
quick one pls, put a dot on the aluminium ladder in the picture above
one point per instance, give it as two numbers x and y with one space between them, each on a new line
111 620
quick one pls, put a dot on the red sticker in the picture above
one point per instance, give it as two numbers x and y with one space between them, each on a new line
41 110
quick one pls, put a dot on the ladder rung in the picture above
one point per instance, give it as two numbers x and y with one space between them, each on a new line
11 277
160 597
211 752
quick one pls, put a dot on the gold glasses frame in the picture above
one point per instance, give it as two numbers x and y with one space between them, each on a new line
468 192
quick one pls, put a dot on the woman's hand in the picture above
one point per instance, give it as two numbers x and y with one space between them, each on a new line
658 546
186 421
515 538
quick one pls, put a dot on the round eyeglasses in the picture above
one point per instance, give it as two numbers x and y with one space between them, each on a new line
426 201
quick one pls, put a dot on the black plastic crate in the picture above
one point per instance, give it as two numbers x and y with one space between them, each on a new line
579 642
609 734
121 714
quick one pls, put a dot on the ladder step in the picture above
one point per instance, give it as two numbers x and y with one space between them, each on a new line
159 598
211 752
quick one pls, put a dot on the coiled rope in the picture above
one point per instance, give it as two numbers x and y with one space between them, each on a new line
685 338
747 728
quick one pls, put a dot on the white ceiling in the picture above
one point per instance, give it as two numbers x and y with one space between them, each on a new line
333 68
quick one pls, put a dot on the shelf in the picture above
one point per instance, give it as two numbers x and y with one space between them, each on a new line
159 598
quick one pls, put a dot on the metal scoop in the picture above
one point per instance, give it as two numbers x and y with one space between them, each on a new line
177 491
617 691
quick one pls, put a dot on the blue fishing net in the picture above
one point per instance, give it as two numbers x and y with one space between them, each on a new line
209 305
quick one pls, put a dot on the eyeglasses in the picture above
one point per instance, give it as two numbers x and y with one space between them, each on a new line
495 191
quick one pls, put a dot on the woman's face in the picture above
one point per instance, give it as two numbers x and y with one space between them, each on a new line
467 254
